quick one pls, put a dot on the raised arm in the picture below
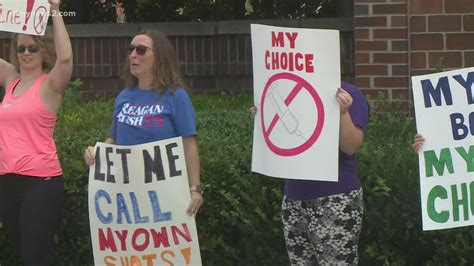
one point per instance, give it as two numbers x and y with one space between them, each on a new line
60 74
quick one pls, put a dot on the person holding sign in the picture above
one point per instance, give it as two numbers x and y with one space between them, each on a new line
155 105
322 220
31 182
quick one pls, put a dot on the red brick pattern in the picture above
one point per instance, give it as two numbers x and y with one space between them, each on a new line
381 52
448 36
389 9
444 23
426 6
459 6
468 22
416 37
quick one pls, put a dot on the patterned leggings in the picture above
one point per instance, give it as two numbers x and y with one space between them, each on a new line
324 231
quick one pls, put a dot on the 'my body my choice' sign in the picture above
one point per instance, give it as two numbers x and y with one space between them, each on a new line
444 105
138 197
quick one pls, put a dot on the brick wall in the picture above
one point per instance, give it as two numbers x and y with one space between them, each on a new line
381 47
396 39
441 32
213 56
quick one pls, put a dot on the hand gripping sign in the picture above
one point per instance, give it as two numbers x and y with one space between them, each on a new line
296 76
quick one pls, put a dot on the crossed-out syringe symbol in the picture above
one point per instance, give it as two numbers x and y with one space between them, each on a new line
287 118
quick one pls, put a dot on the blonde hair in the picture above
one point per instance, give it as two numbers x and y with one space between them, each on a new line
46 45
167 72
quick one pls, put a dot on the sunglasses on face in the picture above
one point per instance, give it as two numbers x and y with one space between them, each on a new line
140 49
31 48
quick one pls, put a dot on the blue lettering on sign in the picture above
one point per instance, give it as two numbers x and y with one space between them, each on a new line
136 210
467 85
122 209
123 212
431 93
158 216
104 219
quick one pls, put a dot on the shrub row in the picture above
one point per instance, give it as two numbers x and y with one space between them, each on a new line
239 223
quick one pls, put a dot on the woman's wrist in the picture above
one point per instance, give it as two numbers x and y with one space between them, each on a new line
196 188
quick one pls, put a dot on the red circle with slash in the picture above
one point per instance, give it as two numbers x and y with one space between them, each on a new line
300 84
39 19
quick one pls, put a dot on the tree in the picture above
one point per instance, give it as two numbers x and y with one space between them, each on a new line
294 9
103 11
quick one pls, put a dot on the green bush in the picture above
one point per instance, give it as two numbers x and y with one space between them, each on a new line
388 170
239 223
79 125
392 230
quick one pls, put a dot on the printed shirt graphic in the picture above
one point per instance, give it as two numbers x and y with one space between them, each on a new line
143 116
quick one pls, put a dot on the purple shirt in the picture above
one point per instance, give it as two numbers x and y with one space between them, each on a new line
348 179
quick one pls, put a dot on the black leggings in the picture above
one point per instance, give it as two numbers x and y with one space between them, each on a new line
30 208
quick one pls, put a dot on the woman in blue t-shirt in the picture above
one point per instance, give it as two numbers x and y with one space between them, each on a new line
155 106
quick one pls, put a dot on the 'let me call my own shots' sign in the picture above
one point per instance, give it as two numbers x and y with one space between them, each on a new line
138 197
445 117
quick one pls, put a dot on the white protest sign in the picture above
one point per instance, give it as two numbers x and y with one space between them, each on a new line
445 117
296 75
138 197
26 16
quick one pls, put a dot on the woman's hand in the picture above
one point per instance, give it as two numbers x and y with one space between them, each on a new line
194 204
54 4
89 155
417 143
253 110
344 99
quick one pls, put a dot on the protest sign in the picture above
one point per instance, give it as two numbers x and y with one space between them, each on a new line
138 197
445 117
296 75
27 17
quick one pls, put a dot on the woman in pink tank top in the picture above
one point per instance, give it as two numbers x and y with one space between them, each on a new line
31 182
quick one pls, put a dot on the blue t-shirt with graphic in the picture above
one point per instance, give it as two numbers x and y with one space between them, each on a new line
142 116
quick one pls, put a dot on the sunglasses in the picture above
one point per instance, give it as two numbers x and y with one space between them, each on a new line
31 48
140 49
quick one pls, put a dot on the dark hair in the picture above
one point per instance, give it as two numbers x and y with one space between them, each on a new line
46 45
167 72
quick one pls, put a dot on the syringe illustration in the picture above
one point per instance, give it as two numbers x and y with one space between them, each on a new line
290 122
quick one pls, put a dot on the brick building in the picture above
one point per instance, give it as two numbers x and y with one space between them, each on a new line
396 39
